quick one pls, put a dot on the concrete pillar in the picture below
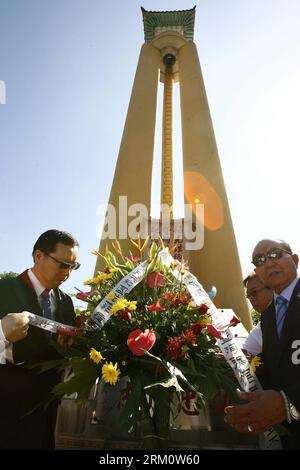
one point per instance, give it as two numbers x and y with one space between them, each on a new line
217 263
133 173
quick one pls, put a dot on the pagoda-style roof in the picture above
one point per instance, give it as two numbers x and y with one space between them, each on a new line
180 21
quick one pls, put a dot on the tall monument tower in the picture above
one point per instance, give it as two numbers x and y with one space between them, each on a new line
167 55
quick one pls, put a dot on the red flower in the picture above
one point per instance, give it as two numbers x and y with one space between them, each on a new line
197 328
133 258
80 321
125 315
216 333
69 331
234 321
203 309
156 279
174 348
85 295
155 307
138 341
189 337
175 298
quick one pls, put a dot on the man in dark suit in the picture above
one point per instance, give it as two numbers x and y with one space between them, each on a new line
276 265
27 416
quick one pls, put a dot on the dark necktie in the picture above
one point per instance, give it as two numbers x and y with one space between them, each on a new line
46 305
281 308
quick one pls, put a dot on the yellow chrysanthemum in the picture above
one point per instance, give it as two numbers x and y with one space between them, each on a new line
120 304
95 355
101 278
255 363
110 373
85 313
89 282
111 296
131 305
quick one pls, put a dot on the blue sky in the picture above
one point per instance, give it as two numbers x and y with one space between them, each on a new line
68 67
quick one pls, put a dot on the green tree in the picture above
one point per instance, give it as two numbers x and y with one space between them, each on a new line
5 274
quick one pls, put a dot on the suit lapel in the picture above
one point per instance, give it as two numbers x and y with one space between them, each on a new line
29 302
273 326
26 294
30 294
292 318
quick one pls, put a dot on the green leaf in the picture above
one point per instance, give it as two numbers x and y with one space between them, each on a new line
130 414
44 366
208 387
153 251
123 267
173 370
171 382
81 381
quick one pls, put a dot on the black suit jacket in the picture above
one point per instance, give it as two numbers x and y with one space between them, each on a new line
281 361
18 294
25 421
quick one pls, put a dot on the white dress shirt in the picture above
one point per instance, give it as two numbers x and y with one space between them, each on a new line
39 289
3 344
253 343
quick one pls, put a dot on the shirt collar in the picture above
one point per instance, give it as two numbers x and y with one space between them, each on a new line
287 292
38 287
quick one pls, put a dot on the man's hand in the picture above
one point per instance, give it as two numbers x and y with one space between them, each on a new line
265 409
15 326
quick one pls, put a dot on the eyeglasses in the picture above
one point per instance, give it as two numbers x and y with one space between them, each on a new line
64 265
273 254
253 294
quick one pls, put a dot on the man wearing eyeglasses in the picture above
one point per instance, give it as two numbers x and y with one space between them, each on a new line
27 416
260 297
276 265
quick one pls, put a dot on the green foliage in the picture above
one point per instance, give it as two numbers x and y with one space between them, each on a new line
83 376
9 274
255 316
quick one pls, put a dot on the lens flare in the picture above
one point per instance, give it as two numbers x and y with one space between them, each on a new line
198 190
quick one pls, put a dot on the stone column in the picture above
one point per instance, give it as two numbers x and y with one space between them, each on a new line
217 263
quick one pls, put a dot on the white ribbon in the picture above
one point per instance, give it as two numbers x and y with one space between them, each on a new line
102 312
52 326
